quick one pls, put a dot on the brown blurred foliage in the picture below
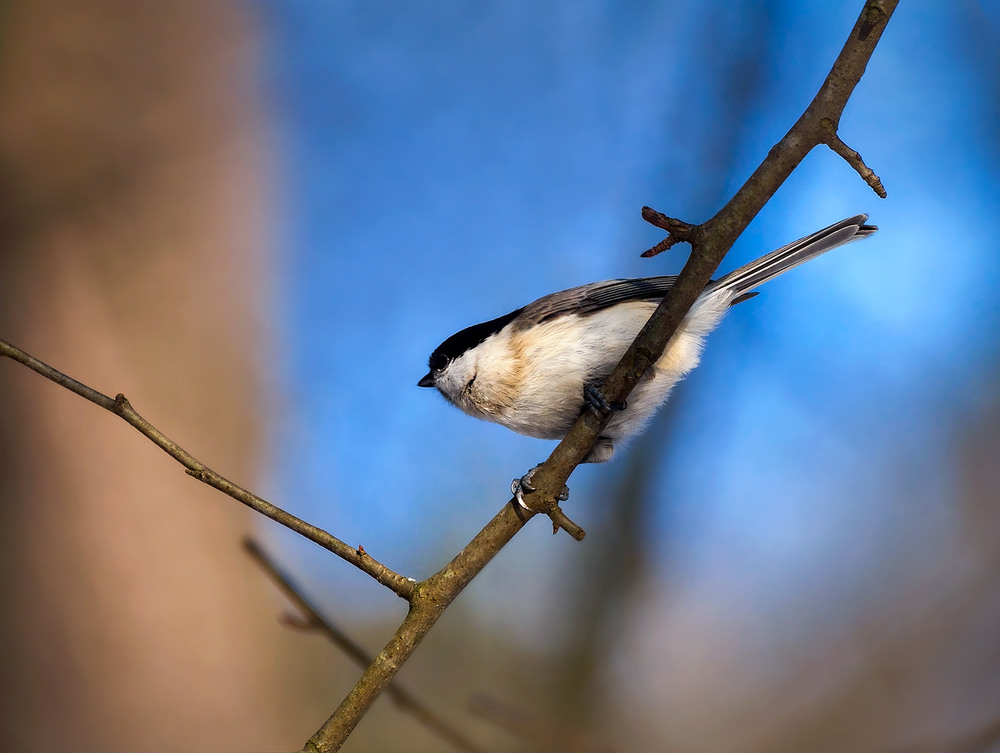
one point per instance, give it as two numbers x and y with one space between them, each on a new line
133 255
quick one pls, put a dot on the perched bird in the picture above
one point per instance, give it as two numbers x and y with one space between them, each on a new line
535 369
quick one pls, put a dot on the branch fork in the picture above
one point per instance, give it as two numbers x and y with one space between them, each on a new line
678 231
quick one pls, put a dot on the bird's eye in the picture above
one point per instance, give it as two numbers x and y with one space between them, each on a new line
437 361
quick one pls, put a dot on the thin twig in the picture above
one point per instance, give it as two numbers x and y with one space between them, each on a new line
311 619
852 158
401 586
659 248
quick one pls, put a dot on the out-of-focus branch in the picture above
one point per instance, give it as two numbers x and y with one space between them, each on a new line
313 620
118 405
710 242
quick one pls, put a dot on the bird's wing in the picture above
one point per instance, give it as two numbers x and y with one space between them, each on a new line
596 296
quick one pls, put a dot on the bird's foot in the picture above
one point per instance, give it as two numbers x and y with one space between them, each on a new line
598 402
521 486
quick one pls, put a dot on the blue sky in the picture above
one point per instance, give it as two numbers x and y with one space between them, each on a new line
441 164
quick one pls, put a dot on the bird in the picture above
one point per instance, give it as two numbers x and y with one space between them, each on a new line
535 369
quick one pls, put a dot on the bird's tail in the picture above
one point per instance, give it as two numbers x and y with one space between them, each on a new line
741 281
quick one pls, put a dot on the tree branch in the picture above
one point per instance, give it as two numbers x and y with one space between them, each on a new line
401 586
710 241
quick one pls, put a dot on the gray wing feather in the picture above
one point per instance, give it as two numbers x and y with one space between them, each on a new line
596 296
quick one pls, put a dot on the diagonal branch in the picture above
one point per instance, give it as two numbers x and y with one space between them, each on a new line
710 241
401 586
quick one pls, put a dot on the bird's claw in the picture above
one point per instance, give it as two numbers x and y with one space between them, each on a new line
521 486
598 402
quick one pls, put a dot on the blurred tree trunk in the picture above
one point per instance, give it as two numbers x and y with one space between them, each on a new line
131 257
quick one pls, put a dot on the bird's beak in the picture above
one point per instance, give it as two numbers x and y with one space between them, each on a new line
427 381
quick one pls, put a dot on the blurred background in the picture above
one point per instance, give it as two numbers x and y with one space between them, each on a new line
257 219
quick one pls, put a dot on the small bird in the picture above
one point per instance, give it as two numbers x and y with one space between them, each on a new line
535 369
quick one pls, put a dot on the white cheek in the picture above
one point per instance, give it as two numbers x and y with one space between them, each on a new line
465 384
453 379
